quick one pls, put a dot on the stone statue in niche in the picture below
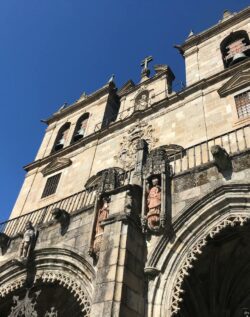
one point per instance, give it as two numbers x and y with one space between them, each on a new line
141 101
154 204
103 213
27 242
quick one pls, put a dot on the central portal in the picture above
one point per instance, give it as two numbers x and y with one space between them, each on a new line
218 285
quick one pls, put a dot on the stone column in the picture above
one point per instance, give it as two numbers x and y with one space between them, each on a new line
120 285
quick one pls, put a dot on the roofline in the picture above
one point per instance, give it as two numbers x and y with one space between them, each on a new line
218 28
156 76
164 103
81 103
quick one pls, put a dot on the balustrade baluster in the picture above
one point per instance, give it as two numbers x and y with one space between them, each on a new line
229 143
244 138
237 141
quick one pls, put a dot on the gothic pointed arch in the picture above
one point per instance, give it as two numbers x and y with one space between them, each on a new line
59 279
173 257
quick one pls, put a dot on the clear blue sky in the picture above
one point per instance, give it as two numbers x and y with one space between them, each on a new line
53 50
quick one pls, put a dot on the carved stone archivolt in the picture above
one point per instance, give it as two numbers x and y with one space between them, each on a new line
170 258
193 254
53 266
128 146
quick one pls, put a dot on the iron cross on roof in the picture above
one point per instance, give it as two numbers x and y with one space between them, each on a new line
145 62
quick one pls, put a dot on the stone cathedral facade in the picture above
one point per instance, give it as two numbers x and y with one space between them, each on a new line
138 201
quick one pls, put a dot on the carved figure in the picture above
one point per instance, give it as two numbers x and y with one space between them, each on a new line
154 204
102 215
142 103
221 157
28 239
62 217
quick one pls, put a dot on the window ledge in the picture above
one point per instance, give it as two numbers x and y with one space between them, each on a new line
242 121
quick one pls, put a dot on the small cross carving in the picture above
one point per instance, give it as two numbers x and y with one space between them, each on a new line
145 62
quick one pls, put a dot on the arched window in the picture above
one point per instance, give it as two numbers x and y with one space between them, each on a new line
61 137
235 48
81 126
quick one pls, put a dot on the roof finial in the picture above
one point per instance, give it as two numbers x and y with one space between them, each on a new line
191 33
83 96
63 106
226 14
111 79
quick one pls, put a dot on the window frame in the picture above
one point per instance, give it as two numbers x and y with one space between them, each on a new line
237 120
48 192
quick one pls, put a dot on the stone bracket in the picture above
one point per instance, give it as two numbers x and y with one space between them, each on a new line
61 216
4 242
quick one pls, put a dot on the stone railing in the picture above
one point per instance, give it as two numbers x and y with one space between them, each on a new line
233 142
78 201
83 199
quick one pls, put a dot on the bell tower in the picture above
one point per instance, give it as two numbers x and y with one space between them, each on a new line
217 48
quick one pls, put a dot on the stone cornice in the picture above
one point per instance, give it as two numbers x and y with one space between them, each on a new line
218 28
164 103
108 88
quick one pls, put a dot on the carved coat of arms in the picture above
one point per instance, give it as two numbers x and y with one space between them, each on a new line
127 153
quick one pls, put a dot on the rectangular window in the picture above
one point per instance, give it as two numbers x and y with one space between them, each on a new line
243 104
51 185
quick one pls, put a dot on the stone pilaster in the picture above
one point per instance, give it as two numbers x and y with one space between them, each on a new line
141 156
120 285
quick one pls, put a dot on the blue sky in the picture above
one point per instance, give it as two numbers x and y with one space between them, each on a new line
53 50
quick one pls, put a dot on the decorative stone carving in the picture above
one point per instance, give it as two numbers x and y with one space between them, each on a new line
27 243
142 101
52 313
191 256
25 307
102 214
128 146
156 176
105 180
4 242
56 165
154 204
221 157
62 217
65 279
